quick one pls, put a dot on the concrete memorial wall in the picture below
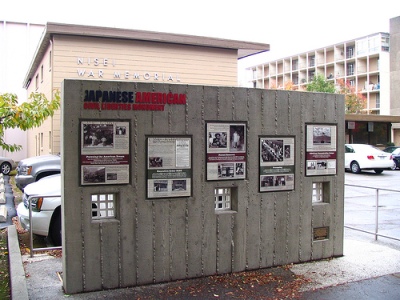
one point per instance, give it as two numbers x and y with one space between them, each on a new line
162 182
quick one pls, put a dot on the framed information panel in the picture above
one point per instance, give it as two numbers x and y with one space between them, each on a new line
105 156
169 166
321 149
226 150
277 163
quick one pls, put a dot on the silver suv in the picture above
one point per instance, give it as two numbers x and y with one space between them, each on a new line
34 168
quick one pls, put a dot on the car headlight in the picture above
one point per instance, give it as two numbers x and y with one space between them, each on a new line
36 203
26 170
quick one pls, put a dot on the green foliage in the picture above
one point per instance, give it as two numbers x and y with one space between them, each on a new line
27 115
354 102
320 84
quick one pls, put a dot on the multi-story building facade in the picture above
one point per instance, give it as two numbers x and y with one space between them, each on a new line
99 53
18 42
365 63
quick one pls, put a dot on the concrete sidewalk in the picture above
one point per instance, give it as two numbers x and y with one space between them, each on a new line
368 270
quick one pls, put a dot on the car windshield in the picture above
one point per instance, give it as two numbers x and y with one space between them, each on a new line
396 152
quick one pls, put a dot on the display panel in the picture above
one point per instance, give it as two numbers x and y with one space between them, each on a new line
105 156
169 166
226 150
277 163
321 149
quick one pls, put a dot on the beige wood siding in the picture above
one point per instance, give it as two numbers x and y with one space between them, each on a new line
185 64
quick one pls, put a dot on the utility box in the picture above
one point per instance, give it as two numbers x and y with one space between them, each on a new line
162 182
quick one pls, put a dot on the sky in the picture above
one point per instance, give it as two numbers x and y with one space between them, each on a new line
288 26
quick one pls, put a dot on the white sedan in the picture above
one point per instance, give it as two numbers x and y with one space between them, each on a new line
366 157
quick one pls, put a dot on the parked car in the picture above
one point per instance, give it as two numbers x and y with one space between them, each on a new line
7 165
360 157
34 168
396 158
390 149
46 208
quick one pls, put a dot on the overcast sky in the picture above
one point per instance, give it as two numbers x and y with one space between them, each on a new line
289 26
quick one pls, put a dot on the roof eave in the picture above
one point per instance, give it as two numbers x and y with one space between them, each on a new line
244 49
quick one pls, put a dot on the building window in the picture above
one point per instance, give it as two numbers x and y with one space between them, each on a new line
352 82
50 61
37 82
317 192
295 65
295 79
103 206
41 73
41 141
223 199
349 52
311 61
350 69
378 101
311 75
50 140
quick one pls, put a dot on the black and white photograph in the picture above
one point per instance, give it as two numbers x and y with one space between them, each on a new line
155 162
267 181
94 174
98 135
287 152
311 165
226 170
120 130
280 181
272 150
217 140
322 135
322 164
160 186
178 185
112 176
236 133
239 169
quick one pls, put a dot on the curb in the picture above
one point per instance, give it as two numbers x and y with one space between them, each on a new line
17 273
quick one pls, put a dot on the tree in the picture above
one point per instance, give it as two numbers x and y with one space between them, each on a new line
354 102
27 115
320 84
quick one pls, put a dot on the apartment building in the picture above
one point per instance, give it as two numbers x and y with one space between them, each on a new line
364 62
101 53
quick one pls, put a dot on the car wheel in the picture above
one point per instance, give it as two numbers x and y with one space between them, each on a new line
394 166
378 171
355 167
55 230
5 168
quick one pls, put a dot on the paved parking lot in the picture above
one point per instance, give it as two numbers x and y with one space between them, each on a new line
360 203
